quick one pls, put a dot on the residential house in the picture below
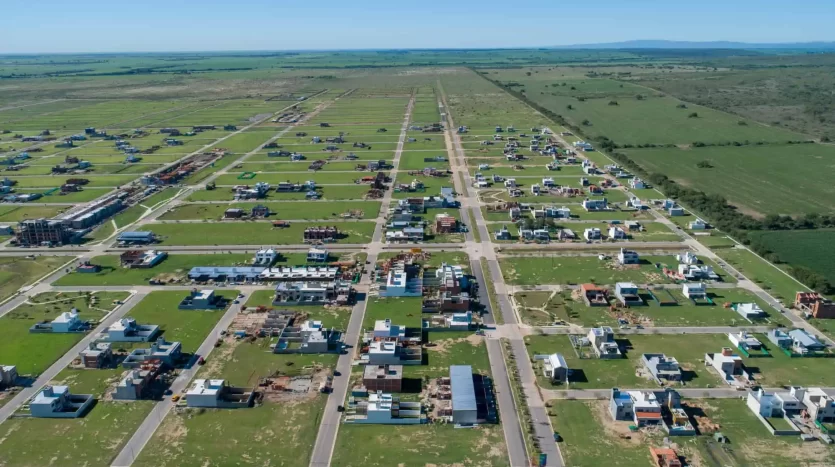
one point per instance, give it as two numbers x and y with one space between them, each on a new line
627 294
136 383
317 255
694 290
312 292
391 353
384 329
662 367
779 338
386 378
675 211
637 183
616 233
603 342
136 238
665 457
819 405
259 211
127 330
66 322
141 259
265 257
594 295
405 235
202 300
697 224
729 366
777 405
8 376
628 257
166 352
804 343
307 338
400 283
642 408
384 409
749 310
592 205
218 394
96 355
815 305
58 402
745 340
503 234
555 369
223 274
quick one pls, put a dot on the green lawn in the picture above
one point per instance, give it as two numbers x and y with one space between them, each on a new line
34 353
436 258
451 348
368 446
253 233
15 272
13 214
327 193
780 285
331 317
587 442
403 311
189 327
291 210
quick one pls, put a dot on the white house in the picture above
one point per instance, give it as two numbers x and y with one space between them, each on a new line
383 329
592 234
555 369
745 340
697 224
694 290
617 233
749 310
637 183
265 257
628 257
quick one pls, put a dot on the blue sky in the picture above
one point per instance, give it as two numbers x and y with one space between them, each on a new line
188 25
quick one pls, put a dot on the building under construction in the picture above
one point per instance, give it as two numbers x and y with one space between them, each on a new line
172 174
320 234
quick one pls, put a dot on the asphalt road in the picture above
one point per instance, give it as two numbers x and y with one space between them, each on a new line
62 363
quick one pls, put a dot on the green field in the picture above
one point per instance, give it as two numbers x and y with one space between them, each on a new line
253 233
777 283
328 193
34 353
15 272
781 179
807 248
331 317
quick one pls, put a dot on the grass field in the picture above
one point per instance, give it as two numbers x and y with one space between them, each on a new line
189 327
328 193
366 446
773 280
331 317
11 213
450 348
782 179
535 270
93 440
807 248
589 439
287 211
253 233
34 353
403 311
15 272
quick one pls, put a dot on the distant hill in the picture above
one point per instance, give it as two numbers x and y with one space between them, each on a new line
663 44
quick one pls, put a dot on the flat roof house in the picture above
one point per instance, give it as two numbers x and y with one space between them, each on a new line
8 376
661 367
392 353
202 300
694 290
399 283
627 294
136 383
603 342
217 394
96 355
779 338
628 257
311 292
386 378
819 405
317 255
265 257
594 295
224 274
127 330
749 310
642 408
384 329
815 304
66 322
58 402
384 409
139 259
729 366
464 407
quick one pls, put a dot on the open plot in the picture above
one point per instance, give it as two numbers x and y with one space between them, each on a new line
419 160
434 444
290 210
774 280
330 316
403 311
254 233
32 353
323 178
17 213
591 439
57 181
237 112
15 272
778 179
246 141
443 349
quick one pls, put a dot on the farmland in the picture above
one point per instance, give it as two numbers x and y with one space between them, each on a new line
806 248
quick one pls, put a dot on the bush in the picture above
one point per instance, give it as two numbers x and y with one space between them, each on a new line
693 115
613 102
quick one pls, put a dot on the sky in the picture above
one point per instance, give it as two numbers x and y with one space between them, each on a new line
66 26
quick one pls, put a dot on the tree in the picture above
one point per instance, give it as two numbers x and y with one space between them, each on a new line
613 102
704 165
585 122
570 107
693 115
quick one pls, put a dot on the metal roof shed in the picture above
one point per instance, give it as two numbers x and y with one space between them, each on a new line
464 410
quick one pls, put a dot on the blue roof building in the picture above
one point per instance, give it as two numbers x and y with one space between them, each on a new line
464 407
223 274
136 237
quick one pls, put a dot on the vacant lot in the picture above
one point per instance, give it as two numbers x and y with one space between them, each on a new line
780 285
15 272
780 179
808 248
367 446
290 210
590 438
